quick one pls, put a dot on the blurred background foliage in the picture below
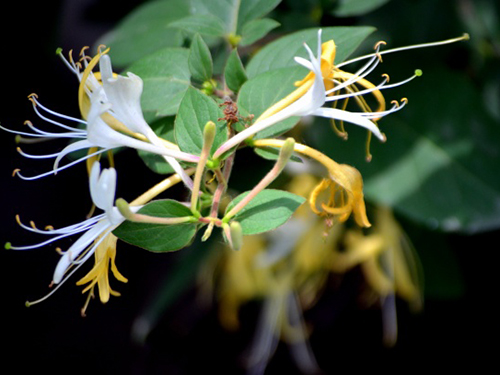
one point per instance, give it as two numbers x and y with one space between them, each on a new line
438 169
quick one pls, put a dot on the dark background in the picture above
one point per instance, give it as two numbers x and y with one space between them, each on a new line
52 336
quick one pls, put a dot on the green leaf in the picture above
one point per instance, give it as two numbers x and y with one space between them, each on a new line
233 13
350 8
195 110
256 29
200 60
166 78
145 30
234 72
261 92
267 211
280 53
252 9
205 24
159 238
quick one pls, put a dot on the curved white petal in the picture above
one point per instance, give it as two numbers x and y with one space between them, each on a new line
77 248
351 117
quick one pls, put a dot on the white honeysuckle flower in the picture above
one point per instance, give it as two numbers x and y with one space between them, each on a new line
112 116
96 133
95 229
125 95
322 85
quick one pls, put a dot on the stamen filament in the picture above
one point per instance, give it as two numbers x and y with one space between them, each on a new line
465 36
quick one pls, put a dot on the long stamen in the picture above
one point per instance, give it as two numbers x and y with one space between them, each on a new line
58 285
51 121
465 36
350 94
34 99
361 73
58 169
396 107
42 133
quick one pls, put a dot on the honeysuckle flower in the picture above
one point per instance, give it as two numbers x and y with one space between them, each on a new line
112 117
96 134
104 260
96 235
344 186
327 83
242 278
389 264
312 93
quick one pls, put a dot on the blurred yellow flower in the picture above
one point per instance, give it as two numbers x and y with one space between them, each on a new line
389 265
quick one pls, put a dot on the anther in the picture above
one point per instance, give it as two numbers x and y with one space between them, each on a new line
32 97
59 251
15 171
101 48
82 51
386 76
84 58
70 56
380 43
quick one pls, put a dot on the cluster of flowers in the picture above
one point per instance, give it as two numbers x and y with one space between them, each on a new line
111 117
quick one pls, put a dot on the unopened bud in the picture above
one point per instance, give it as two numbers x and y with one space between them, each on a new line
236 235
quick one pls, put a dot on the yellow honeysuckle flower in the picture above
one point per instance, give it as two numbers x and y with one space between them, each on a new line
389 266
386 257
344 186
104 256
344 195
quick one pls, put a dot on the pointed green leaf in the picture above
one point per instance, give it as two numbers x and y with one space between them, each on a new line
253 9
256 29
155 237
200 60
280 53
267 211
350 8
145 30
166 78
234 72
204 24
233 13
195 110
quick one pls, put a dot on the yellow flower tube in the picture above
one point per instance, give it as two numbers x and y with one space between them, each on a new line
345 185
